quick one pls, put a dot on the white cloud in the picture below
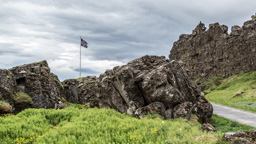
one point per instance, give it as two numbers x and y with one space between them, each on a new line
70 67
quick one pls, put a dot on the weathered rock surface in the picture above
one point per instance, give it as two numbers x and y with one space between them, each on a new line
182 110
31 85
149 84
80 90
153 108
207 127
241 137
214 52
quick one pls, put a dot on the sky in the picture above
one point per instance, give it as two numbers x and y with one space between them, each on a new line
117 31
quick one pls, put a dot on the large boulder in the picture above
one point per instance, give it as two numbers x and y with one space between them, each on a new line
149 84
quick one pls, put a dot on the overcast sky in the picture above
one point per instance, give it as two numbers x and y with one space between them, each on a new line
117 31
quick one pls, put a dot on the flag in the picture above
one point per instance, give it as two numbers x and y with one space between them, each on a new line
84 43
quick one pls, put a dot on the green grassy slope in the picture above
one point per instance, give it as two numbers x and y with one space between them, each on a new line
73 125
237 91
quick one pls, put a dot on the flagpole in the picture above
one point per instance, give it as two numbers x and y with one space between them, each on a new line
80 58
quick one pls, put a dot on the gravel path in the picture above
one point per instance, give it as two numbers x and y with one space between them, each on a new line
240 116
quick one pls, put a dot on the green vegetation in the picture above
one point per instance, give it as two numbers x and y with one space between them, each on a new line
80 79
72 125
197 80
62 86
9 74
226 125
238 91
21 97
63 99
79 106
212 83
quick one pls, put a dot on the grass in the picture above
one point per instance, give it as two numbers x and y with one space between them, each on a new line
212 83
79 106
21 97
80 79
73 125
238 91
226 125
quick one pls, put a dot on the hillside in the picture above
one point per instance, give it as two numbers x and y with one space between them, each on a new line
238 91
74 125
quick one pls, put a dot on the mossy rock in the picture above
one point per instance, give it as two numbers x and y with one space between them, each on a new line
5 107
21 97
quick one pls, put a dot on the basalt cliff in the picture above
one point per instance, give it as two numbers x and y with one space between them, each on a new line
214 52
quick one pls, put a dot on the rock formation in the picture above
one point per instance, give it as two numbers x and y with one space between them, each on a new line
241 137
147 85
214 52
31 85
79 90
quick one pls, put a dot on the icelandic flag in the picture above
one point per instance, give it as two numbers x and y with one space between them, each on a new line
84 43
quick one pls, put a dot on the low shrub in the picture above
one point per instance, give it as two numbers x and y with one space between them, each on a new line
73 125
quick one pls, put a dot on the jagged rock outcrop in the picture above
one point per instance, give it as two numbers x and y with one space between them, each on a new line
149 84
241 137
31 85
214 52
79 90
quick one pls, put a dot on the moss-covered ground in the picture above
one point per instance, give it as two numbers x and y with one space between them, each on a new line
238 91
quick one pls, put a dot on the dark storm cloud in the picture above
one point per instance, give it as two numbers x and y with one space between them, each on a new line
117 30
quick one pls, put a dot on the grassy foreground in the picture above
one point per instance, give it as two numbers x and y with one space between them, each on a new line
99 126
238 91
